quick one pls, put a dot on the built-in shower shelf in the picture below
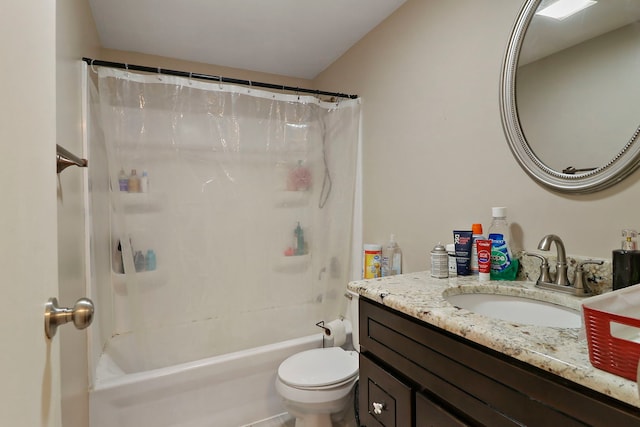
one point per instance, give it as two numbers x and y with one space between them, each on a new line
133 203
293 264
292 199
144 281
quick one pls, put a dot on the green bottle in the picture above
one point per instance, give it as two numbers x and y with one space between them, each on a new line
299 239
503 265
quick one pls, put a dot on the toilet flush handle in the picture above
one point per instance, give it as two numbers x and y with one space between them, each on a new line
378 408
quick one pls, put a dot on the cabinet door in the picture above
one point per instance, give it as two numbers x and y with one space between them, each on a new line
384 399
430 414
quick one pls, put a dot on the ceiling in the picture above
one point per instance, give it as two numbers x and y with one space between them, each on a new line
296 38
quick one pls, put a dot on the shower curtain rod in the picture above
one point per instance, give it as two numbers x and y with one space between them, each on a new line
219 79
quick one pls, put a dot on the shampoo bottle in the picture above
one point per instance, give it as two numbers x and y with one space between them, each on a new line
151 260
123 181
503 265
144 182
391 258
139 262
134 182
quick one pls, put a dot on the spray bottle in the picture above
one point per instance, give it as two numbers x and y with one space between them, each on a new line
391 258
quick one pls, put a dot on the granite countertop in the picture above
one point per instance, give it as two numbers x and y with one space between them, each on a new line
561 351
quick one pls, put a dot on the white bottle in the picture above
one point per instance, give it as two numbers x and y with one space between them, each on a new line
144 182
453 265
391 258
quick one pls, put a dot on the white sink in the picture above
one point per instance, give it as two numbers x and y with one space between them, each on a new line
518 309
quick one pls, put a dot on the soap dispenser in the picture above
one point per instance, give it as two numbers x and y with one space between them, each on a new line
626 261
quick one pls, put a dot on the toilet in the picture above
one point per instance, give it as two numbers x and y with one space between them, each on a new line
317 385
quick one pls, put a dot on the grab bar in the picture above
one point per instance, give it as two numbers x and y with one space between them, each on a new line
64 159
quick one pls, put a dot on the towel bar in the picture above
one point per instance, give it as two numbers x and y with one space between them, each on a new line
64 159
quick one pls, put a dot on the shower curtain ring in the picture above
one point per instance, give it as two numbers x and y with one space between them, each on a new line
93 68
220 82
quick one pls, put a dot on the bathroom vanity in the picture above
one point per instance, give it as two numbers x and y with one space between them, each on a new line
425 362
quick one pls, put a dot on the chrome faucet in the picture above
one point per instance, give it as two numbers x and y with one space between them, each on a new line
561 265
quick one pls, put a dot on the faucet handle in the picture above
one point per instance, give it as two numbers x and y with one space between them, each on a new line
580 283
589 261
545 276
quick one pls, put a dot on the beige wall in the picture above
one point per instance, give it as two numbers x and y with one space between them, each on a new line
76 36
435 157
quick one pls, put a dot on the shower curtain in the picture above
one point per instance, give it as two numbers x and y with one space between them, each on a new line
231 212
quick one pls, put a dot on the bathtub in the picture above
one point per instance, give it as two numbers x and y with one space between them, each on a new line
230 390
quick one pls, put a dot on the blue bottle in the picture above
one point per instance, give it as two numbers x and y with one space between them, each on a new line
151 260
139 261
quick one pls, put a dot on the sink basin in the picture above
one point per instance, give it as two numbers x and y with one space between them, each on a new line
518 309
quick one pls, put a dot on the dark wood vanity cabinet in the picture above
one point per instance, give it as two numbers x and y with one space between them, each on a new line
414 374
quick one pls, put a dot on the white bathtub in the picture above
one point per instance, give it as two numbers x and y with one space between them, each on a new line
223 391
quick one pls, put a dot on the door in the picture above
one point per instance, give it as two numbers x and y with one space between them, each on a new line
29 362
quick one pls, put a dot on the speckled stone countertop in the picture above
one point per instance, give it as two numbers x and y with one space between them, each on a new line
561 351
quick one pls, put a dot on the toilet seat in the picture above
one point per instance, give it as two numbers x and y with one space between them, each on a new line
319 368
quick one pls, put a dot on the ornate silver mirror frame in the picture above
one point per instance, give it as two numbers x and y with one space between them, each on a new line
612 172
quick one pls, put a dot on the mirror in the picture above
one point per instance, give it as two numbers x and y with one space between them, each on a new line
570 93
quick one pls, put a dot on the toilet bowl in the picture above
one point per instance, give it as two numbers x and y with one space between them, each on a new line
317 385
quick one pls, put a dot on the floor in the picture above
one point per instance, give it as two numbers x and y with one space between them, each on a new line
285 420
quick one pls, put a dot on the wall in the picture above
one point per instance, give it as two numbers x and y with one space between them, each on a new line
435 157
75 37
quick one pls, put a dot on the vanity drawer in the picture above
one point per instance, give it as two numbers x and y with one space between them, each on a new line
430 414
386 398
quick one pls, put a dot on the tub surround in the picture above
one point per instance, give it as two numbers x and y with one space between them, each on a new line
560 351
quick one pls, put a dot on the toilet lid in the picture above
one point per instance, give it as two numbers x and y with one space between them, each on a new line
318 367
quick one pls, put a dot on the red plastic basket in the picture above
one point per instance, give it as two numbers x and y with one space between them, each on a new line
607 352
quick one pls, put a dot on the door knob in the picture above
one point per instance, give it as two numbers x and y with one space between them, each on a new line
81 314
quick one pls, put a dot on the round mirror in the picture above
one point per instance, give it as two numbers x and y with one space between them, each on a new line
570 92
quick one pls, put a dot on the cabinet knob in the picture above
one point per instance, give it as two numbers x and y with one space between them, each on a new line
378 408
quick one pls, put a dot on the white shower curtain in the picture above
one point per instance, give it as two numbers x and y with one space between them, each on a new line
248 210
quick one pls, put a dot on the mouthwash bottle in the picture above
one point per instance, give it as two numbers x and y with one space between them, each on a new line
503 265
